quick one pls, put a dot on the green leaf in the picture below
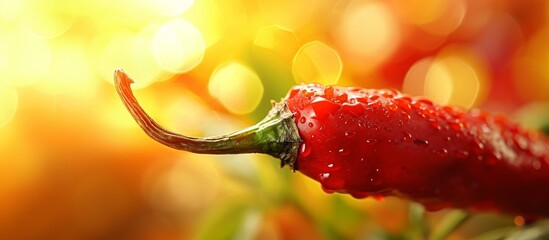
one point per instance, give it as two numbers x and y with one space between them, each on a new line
234 219
448 224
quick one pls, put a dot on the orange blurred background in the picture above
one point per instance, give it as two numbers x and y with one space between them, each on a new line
74 165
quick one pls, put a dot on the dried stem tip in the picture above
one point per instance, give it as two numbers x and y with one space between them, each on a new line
276 135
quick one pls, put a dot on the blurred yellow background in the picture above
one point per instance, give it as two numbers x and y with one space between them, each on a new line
74 165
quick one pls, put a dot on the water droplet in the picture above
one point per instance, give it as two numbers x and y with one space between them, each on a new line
373 97
324 176
391 93
372 125
360 123
478 148
330 182
360 195
371 140
372 104
536 164
355 109
393 141
310 124
498 155
441 152
350 134
458 126
393 107
462 153
421 142
322 107
434 123
407 137
426 102
344 151
375 181
293 92
521 141
403 103
485 129
341 98
302 120
327 190
416 105
304 150
329 92
400 123
330 165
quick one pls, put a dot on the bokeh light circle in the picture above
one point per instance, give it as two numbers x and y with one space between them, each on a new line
454 77
27 58
236 86
317 62
46 23
178 46
369 33
278 40
129 51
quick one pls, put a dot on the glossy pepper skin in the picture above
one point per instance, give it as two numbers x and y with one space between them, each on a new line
382 143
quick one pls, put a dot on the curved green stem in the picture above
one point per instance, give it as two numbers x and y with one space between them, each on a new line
276 135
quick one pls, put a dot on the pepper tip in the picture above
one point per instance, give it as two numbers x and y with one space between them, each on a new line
121 77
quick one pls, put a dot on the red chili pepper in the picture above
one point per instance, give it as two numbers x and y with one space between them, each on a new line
382 143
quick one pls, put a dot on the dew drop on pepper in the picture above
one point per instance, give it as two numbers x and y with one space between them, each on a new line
441 152
373 97
461 153
329 92
322 108
344 151
401 103
355 109
360 195
331 183
305 150
407 137
350 134
341 98
327 190
536 165
421 142
393 107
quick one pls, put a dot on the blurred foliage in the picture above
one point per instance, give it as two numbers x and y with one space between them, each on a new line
74 165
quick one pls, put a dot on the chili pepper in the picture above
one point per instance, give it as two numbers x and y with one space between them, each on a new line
383 143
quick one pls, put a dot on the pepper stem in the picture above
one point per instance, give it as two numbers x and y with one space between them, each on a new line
276 135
